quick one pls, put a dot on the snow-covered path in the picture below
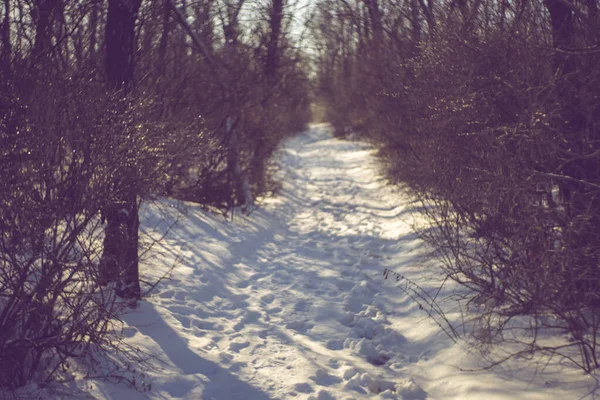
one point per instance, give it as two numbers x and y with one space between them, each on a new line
291 303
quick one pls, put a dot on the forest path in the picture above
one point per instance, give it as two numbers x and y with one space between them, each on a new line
290 302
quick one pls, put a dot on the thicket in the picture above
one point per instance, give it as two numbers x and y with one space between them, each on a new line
103 105
489 113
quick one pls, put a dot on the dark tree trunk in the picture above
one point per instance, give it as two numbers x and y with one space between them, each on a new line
594 29
375 19
428 11
204 23
94 14
119 262
561 15
239 178
162 57
5 55
502 21
580 198
120 256
276 17
415 21
164 40
563 38
42 15
120 41
61 31
261 145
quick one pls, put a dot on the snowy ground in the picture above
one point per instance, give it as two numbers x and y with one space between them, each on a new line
290 302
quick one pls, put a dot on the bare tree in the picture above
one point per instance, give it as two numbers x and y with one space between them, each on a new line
43 13
120 257
5 54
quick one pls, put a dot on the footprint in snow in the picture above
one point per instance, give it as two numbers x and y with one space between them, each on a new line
322 395
274 310
249 318
267 298
243 284
281 278
302 305
345 286
225 358
335 344
235 367
322 378
208 326
349 373
238 344
180 296
303 388
300 326
129 332
263 334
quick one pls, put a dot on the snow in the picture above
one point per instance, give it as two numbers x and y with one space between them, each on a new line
290 302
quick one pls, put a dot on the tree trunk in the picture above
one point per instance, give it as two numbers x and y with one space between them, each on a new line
594 29
561 15
5 55
241 186
164 40
580 198
502 21
62 46
429 16
239 180
375 18
415 21
119 260
261 145
120 41
42 14
162 57
94 14
276 16
204 23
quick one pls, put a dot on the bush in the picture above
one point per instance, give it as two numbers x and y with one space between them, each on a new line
62 147
497 133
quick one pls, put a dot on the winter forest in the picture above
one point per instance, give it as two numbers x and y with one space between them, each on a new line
312 199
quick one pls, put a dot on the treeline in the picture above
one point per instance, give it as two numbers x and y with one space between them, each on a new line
489 112
106 103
